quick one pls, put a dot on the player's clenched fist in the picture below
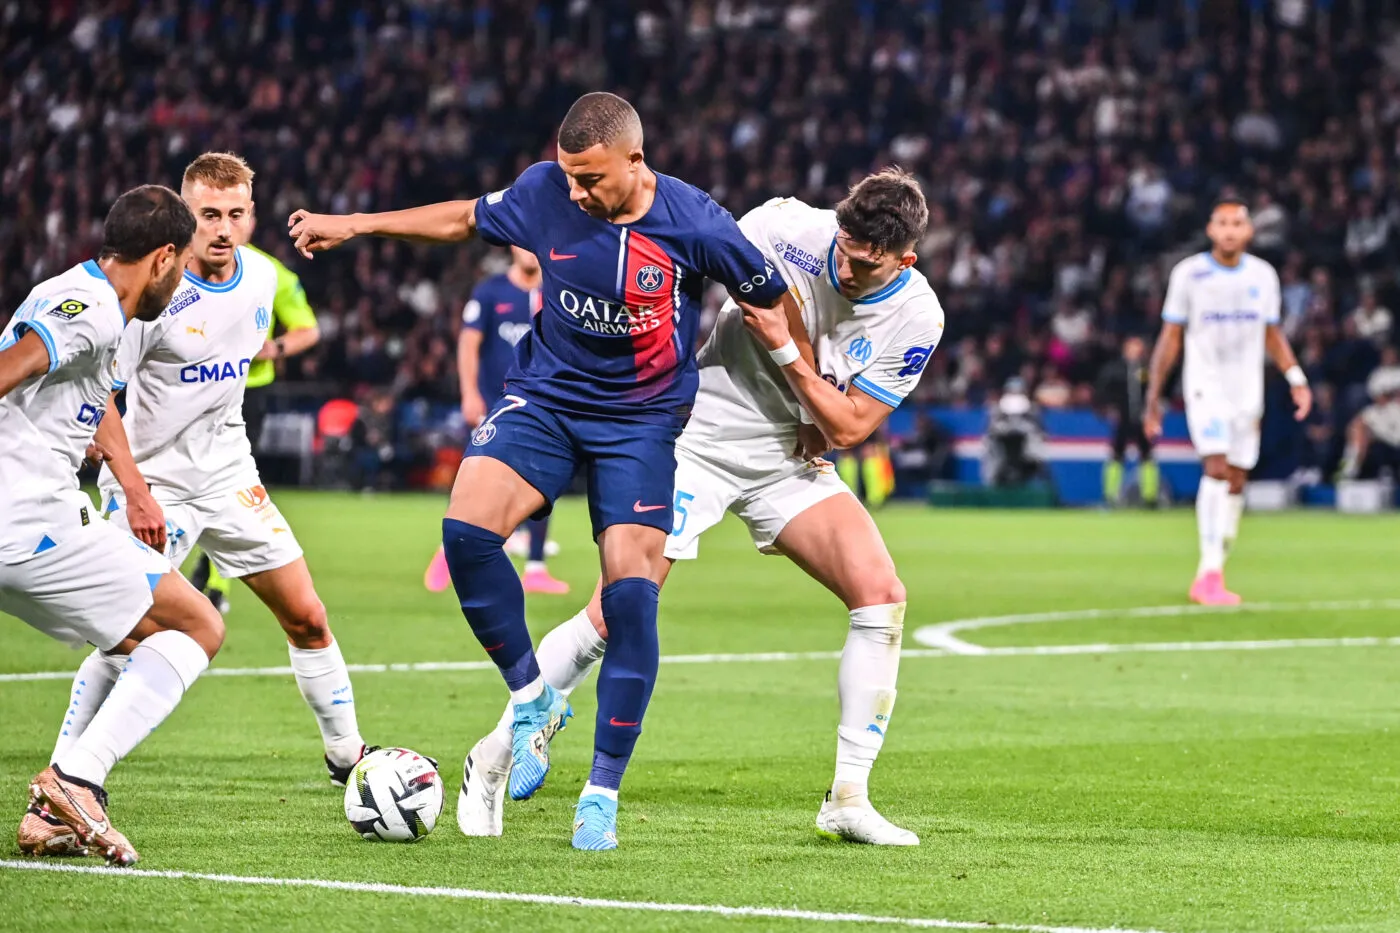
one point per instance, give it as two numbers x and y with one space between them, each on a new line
316 233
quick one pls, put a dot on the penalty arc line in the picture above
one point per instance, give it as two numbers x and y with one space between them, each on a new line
939 642
553 900
942 635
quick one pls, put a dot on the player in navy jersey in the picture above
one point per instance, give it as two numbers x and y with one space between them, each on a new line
499 313
604 381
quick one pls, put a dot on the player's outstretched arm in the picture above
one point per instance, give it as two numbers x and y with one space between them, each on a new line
1282 354
25 359
143 514
846 419
1164 356
444 222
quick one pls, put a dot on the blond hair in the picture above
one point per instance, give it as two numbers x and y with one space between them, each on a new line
219 170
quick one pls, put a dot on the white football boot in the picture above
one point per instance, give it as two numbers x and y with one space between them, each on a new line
850 816
483 792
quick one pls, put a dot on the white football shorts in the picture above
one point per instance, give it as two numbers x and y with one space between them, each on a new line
91 584
1218 429
241 530
707 488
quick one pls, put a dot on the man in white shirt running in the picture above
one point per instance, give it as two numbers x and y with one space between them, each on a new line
1224 305
62 569
752 447
186 475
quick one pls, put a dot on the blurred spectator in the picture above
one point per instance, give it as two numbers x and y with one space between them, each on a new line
1373 322
1373 437
1121 391
1014 448
1067 157
373 454
924 455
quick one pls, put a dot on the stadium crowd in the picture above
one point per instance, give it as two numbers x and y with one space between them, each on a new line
1069 157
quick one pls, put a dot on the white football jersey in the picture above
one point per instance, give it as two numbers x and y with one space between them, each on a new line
879 344
1225 312
48 421
185 373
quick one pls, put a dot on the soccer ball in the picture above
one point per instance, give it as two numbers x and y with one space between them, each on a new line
394 795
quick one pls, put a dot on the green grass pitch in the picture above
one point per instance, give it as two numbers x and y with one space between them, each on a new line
1180 790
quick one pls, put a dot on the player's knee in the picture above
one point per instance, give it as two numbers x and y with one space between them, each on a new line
878 590
307 625
207 629
1217 468
882 623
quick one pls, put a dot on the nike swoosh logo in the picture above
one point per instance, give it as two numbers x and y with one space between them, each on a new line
613 722
638 507
99 827
558 256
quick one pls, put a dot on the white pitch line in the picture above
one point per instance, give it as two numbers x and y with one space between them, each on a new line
553 900
938 641
942 635
439 666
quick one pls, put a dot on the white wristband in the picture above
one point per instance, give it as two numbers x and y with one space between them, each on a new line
787 353
1295 376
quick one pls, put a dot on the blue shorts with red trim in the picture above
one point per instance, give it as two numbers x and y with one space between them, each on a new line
631 465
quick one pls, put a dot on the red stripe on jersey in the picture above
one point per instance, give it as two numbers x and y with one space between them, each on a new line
648 291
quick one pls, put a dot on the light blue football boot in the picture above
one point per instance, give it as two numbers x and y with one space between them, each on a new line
535 725
595 823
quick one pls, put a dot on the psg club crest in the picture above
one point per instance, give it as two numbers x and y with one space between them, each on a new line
649 278
483 434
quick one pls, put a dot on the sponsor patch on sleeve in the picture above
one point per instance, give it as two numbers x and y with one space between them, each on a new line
68 308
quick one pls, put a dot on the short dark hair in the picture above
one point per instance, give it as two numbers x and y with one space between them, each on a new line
886 210
1229 200
145 219
596 119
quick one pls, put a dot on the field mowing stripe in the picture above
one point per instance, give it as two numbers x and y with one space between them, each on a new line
551 900
938 641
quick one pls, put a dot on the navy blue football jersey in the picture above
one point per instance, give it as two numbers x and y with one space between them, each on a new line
617 330
502 311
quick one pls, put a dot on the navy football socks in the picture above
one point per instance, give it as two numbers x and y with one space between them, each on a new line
626 677
493 601
539 528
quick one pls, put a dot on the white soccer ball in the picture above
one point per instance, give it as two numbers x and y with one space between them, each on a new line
393 795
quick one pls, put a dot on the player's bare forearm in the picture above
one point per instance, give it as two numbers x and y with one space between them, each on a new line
299 340
840 417
444 222
845 419
468 359
25 359
1282 354
1278 348
797 329
1164 356
111 435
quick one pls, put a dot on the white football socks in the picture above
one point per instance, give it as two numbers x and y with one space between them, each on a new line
565 655
325 685
593 790
161 669
91 684
866 683
1234 508
1212 504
